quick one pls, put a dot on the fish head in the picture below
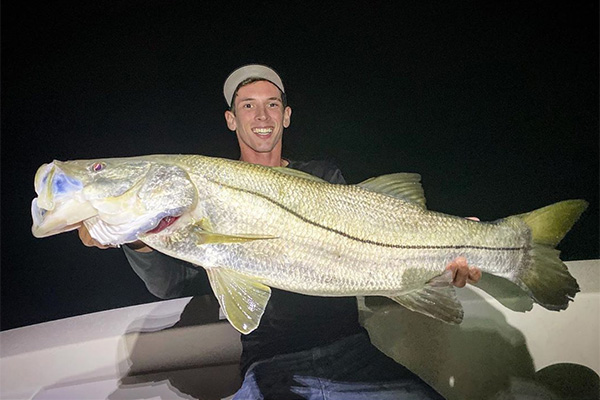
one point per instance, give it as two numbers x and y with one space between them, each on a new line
116 199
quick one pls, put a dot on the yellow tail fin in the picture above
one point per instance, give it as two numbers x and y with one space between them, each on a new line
547 279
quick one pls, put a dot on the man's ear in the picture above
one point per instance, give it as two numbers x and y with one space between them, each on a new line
230 118
287 117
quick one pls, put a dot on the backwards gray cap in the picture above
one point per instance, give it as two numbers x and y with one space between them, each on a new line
249 71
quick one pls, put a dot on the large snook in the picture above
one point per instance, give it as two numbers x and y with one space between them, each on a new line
253 227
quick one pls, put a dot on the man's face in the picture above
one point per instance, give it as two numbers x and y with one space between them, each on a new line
259 117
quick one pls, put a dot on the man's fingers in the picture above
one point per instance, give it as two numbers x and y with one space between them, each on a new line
474 275
88 240
460 271
460 280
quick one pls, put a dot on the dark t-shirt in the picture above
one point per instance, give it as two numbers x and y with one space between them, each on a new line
291 322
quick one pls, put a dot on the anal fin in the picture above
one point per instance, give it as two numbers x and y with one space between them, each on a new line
436 299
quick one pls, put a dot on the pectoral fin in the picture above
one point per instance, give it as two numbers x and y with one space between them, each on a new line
242 298
436 299
202 233
211 237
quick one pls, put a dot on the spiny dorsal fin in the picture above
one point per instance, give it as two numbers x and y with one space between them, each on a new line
297 173
436 299
402 185
242 298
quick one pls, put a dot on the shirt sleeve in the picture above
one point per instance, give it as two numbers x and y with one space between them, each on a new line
323 169
167 277
336 177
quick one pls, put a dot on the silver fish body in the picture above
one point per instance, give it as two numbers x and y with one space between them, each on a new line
253 227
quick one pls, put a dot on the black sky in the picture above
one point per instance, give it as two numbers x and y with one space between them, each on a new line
495 104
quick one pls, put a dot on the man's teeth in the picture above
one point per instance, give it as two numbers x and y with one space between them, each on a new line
263 131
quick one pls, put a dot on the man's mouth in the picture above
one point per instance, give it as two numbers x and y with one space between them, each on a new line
262 131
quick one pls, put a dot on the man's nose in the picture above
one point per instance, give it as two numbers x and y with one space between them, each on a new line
261 113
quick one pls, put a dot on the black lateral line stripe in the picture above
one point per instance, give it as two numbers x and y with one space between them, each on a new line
389 245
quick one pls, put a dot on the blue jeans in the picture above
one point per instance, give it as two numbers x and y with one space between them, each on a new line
349 369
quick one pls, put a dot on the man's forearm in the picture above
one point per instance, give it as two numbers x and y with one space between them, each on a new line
139 246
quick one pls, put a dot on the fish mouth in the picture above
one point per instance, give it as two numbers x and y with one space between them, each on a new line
47 223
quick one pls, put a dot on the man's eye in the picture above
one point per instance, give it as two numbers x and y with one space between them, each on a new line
273 105
247 105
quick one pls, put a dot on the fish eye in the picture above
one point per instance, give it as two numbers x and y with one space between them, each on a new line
98 166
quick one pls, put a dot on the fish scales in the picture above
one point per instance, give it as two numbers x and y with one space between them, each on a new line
317 223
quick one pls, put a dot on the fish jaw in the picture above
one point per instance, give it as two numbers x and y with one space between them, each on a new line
64 218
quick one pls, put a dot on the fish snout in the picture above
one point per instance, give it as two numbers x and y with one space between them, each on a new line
42 177
37 214
51 182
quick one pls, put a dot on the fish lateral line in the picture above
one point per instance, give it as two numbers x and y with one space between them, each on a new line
366 241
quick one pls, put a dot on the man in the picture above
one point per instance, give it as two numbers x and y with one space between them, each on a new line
305 345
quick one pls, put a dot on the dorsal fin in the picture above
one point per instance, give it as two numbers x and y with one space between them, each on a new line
401 185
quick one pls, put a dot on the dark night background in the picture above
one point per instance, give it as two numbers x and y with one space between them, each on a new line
494 103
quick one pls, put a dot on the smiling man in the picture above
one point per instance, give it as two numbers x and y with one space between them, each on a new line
305 346
258 117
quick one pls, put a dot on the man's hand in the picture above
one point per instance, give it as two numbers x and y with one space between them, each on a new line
88 240
462 273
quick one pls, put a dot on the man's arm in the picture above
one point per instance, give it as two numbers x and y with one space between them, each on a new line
165 277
